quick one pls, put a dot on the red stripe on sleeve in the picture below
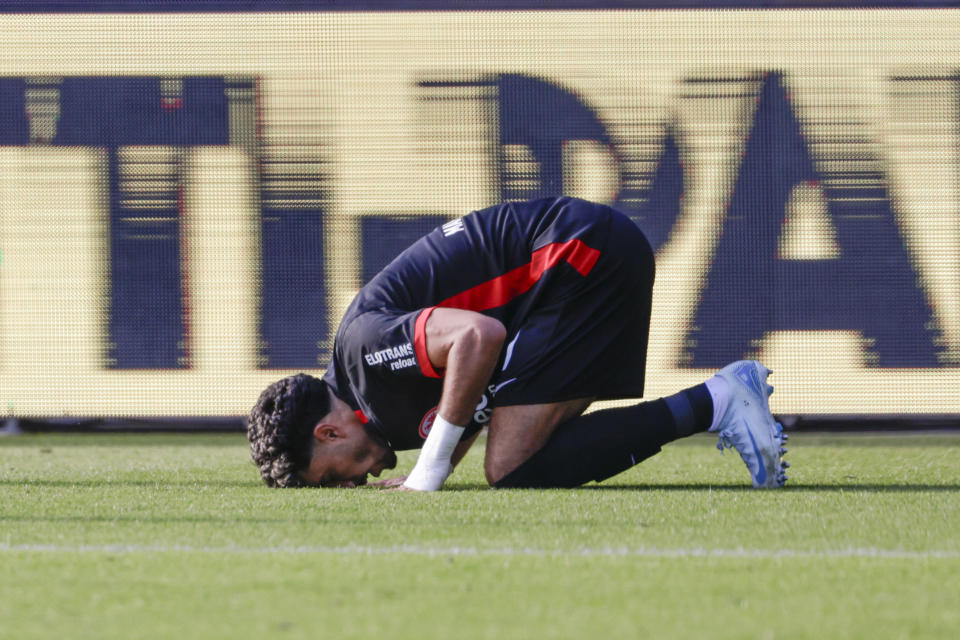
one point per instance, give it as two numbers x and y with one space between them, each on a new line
420 343
501 290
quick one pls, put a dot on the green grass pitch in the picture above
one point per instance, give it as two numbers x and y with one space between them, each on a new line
149 536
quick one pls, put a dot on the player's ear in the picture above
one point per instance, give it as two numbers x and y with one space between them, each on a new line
325 432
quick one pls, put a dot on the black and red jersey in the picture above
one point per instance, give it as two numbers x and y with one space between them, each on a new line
532 265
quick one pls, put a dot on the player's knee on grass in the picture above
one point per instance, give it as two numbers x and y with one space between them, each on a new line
518 432
507 449
496 469
504 454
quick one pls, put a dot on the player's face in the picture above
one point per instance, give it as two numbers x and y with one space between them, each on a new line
346 461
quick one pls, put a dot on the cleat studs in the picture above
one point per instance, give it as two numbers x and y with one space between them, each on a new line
784 437
784 464
783 451
769 390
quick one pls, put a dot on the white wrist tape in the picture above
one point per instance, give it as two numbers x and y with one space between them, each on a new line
433 466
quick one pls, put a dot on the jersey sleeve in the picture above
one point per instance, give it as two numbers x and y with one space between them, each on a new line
391 343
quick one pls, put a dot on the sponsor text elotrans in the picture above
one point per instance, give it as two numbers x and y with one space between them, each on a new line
398 357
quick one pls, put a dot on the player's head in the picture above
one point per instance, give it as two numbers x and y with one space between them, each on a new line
301 434
280 428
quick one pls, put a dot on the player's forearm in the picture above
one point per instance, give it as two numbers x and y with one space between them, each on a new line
470 364
462 448
467 346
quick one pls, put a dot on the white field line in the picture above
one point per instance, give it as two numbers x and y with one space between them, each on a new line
423 550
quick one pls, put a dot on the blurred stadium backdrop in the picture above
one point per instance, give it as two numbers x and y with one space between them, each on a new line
190 199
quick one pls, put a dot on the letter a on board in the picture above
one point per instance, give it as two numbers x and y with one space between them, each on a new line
865 284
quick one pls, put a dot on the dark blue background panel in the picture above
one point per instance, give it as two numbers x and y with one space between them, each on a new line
104 111
294 322
147 323
14 126
147 328
384 236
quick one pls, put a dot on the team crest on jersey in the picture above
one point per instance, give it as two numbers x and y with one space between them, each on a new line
481 415
427 423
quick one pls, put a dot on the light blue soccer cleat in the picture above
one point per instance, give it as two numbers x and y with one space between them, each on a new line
749 427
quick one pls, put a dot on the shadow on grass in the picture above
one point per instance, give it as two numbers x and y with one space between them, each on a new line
680 487
790 488
100 484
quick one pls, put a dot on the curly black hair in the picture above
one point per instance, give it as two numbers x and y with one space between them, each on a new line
280 428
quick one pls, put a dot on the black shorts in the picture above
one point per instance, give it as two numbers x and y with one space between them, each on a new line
584 337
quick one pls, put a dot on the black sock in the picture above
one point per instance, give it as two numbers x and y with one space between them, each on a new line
601 444
595 446
692 411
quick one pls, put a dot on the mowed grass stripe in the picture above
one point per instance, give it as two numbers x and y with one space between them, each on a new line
347 597
440 551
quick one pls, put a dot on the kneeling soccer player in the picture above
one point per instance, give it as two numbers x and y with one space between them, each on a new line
516 317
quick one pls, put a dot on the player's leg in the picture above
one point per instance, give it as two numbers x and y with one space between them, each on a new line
601 444
542 446
517 432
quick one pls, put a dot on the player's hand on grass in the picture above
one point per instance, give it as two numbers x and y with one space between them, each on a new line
390 483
